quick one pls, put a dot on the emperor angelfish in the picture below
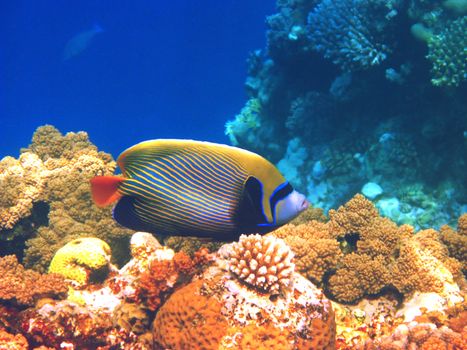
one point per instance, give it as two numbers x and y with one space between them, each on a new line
195 188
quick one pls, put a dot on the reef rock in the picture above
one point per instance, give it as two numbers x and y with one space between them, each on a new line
223 310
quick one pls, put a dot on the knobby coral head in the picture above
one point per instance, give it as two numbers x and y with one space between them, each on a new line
264 262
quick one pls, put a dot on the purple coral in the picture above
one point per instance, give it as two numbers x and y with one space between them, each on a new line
350 32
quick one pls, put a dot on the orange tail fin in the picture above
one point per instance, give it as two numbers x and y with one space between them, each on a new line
105 189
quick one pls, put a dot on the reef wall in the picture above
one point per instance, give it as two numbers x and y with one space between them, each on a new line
364 96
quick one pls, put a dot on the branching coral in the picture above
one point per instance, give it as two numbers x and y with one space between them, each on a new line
25 287
55 170
349 32
448 54
80 259
263 262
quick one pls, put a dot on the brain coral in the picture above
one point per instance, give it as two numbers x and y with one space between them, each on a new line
263 262
358 253
81 258
219 311
55 170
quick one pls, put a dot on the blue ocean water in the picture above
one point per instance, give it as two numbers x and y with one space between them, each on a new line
125 71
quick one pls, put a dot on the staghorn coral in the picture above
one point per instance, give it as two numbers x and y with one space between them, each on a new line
218 311
81 259
263 262
24 287
55 170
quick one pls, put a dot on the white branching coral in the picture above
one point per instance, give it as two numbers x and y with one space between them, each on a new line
265 262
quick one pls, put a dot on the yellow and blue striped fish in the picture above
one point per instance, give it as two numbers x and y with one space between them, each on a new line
194 188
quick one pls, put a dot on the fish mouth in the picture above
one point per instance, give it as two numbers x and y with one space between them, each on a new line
304 205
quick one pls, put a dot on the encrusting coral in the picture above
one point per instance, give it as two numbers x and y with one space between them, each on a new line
263 262
55 171
81 258
24 287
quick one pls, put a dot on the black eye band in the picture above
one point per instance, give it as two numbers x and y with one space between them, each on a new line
279 194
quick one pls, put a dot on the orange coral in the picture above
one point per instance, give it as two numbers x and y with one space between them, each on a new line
156 283
12 342
24 287
219 312
190 319
258 337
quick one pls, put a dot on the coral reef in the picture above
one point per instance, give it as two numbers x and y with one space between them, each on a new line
358 253
448 55
346 31
347 97
220 311
81 258
24 287
48 201
262 262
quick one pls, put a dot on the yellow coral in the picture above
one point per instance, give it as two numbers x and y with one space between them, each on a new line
81 257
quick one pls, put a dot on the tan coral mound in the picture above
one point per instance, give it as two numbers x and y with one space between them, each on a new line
25 287
358 253
220 311
456 242
55 170
263 262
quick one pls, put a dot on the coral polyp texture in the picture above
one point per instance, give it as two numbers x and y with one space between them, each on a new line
46 199
79 259
23 287
358 253
219 310
263 262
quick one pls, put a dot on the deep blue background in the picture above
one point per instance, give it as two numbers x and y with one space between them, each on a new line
160 68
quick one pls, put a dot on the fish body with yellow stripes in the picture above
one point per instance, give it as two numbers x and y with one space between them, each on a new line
195 188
